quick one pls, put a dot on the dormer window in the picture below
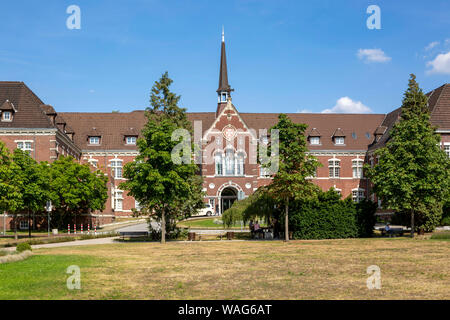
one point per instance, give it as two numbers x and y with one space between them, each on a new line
130 140
6 116
94 140
314 140
339 140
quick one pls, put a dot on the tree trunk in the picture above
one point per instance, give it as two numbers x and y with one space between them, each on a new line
163 227
412 223
286 221
29 224
15 228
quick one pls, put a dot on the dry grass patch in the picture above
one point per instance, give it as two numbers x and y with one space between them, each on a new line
331 269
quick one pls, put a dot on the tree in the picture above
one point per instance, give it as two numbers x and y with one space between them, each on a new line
296 166
74 189
154 179
35 187
11 185
413 172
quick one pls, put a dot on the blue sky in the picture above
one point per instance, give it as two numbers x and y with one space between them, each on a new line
283 56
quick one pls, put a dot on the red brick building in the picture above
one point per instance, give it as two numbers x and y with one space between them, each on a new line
228 138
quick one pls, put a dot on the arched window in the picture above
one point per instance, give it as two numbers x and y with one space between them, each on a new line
240 164
219 163
229 163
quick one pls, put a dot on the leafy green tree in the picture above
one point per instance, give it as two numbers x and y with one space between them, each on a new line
35 187
74 189
11 185
154 179
296 166
413 172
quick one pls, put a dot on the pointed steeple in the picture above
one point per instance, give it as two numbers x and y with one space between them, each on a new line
224 88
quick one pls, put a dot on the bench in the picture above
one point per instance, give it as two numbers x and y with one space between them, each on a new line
192 236
133 234
392 232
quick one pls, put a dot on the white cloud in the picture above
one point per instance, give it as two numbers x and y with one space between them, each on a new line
347 105
440 64
431 45
304 111
373 55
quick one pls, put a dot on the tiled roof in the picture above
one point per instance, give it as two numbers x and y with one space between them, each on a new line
439 105
29 113
359 127
7 105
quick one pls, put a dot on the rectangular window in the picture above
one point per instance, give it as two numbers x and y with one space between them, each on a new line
334 168
24 224
131 140
94 140
25 146
358 195
116 169
357 166
314 140
6 116
119 201
137 205
339 140
447 149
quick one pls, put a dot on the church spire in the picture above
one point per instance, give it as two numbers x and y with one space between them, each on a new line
224 88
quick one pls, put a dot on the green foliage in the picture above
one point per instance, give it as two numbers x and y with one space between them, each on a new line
326 217
441 236
11 183
295 164
24 246
160 185
365 218
75 189
413 172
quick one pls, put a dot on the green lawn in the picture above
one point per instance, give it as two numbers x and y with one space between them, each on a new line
327 269
42 277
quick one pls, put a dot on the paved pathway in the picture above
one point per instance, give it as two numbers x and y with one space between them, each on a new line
71 243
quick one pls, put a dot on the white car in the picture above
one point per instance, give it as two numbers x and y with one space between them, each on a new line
206 211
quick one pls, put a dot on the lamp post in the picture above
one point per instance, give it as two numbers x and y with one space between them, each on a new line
48 207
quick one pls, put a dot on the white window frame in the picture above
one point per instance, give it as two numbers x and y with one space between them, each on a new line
4 113
95 143
24 224
118 200
218 163
131 140
447 148
335 165
25 145
357 168
116 168
337 141
315 141
359 196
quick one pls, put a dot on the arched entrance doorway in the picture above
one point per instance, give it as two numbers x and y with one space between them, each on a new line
228 196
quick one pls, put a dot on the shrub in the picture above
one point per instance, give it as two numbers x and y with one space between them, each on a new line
365 218
327 217
441 236
24 246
